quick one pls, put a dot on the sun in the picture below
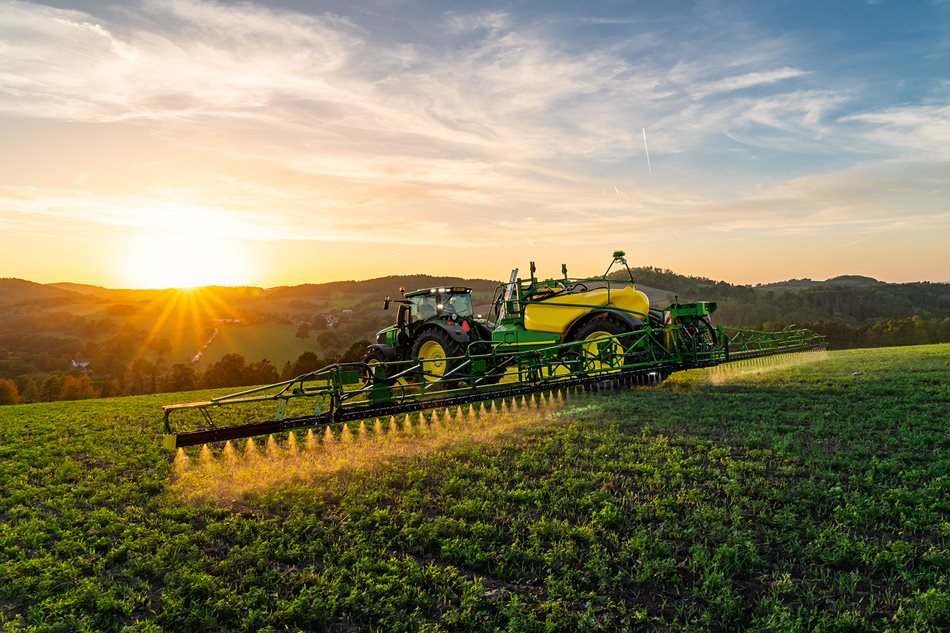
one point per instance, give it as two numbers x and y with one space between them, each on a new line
183 261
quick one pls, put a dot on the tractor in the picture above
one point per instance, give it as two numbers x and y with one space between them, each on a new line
435 325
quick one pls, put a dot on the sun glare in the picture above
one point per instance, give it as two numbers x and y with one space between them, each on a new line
183 261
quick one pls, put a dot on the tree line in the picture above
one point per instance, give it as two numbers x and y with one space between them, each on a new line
145 377
233 370
887 333
855 303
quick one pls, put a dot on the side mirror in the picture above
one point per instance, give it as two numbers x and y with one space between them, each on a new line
386 302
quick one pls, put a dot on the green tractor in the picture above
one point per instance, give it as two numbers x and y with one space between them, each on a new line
435 325
591 324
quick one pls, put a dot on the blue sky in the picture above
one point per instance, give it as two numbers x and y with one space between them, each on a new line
312 141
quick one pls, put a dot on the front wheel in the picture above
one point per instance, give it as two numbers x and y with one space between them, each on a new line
372 358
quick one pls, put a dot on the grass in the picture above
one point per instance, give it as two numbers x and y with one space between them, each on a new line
276 342
808 496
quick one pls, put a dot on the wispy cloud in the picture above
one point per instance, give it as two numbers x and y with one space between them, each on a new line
342 134
925 128
746 80
853 200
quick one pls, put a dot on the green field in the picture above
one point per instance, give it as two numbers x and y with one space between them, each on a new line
277 342
808 496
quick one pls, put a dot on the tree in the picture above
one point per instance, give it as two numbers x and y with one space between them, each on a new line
329 339
77 388
318 322
9 394
227 372
51 388
355 352
181 378
30 391
144 376
260 373
162 347
305 363
303 331
108 389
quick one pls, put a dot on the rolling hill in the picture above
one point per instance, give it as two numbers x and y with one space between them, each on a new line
129 340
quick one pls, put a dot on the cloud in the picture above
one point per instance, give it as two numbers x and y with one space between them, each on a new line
198 58
344 133
893 197
921 128
746 80
465 22
331 94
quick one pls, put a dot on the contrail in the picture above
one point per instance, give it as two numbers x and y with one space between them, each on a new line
647 148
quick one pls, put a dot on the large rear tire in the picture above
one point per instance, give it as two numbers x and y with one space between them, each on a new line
600 351
435 350
700 335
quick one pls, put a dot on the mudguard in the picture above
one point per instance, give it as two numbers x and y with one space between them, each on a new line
626 317
388 352
455 332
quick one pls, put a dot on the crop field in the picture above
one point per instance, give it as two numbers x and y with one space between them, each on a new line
798 494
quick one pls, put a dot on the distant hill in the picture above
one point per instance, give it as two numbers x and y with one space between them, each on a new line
853 300
85 289
854 280
806 284
19 291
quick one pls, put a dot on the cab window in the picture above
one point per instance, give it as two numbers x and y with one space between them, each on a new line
460 304
423 307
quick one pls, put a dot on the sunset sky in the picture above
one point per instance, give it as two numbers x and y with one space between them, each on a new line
160 143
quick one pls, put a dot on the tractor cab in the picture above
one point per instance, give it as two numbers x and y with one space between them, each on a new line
422 305
447 308
452 303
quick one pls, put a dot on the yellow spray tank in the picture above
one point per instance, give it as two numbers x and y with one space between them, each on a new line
555 314
537 313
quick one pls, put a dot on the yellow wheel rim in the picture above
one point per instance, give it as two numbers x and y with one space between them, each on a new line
432 355
602 350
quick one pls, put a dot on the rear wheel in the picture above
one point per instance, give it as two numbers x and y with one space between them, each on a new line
699 335
601 350
435 350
